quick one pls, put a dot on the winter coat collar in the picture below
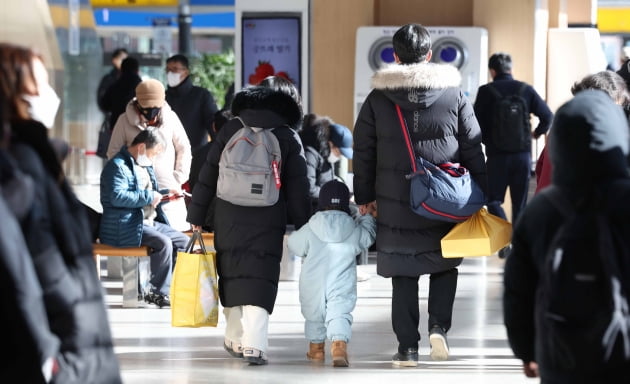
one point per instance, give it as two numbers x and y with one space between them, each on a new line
421 75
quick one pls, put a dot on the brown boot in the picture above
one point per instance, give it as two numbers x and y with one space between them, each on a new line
339 353
315 352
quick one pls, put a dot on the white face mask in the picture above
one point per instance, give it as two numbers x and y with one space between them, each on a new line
143 160
173 79
332 158
43 107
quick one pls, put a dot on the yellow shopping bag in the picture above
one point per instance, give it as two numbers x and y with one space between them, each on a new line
481 235
194 289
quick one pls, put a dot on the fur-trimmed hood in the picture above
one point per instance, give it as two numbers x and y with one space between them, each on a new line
266 108
420 83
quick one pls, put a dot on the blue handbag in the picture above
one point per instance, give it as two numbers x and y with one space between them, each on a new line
444 192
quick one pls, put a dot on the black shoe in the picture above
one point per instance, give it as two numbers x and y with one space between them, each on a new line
439 344
505 252
407 358
158 299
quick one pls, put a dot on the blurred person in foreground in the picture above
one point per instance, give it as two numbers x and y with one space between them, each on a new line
589 143
55 226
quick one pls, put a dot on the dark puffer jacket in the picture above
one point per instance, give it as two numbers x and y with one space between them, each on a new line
195 107
587 149
57 234
443 128
26 328
249 240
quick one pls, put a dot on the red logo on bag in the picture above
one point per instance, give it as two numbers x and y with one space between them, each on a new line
276 174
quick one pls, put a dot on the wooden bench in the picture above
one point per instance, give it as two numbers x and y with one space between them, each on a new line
111 251
134 270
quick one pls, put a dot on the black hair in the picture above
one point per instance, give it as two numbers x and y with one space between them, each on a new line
500 62
119 51
179 58
148 138
315 133
129 65
412 43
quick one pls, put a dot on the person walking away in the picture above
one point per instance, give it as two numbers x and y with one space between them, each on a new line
503 108
149 110
557 283
55 226
249 240
443 128
129 190
329 243
195 106
607 81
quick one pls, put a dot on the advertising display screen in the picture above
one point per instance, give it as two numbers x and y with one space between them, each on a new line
271 47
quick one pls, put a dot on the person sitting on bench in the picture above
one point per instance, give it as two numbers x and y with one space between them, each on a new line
133 216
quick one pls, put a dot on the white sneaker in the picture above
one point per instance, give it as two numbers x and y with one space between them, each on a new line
439 345
254 356
233 348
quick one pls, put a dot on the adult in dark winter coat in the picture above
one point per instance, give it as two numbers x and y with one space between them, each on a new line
249 240
587 148
34 347
110 77
122 91
56 228
508 168
195 106
443 128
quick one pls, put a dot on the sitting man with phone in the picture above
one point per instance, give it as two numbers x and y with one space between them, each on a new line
133 215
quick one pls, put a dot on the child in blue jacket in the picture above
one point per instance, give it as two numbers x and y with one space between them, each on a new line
330 242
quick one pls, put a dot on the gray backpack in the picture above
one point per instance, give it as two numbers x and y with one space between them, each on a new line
249 168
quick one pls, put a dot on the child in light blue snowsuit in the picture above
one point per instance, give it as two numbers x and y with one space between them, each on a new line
330 242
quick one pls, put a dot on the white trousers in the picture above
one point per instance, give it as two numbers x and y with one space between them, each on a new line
247 325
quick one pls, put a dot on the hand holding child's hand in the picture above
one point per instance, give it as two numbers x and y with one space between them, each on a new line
369 208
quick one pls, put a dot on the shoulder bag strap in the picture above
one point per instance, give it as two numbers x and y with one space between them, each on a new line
407 137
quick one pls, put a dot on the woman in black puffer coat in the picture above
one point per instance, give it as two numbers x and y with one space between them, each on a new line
56 228
249 240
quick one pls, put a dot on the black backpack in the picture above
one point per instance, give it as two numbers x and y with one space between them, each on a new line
511 128
582 310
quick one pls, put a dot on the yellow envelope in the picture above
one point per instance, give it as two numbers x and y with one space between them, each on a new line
481 235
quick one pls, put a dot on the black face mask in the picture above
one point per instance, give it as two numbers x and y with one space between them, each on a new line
149 113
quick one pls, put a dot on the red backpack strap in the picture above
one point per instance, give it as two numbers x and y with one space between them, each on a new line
405 133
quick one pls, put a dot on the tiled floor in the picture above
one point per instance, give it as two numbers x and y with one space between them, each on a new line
151 351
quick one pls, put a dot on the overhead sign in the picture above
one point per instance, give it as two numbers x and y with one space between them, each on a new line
134 3
613 20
